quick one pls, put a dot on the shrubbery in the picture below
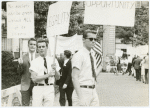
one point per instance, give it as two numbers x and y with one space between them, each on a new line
10 77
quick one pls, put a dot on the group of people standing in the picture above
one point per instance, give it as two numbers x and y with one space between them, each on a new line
141 67
137 67
76 75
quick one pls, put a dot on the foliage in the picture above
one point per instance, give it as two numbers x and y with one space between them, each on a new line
140 29
76 23
10 77
41 12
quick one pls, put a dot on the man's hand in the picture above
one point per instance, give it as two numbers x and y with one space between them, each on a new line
20 61
53 66
51 74
64 86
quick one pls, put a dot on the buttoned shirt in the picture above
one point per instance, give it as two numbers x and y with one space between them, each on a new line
37 65
81 60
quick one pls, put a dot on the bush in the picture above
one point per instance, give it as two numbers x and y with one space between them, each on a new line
10 77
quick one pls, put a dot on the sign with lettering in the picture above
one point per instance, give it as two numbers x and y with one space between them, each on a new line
117 13
58 18
20 19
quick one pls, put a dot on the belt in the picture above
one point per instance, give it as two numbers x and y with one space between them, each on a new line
36 84
86 86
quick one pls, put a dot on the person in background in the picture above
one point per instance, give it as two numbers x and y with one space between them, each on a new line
133 70
23 68
118 65
129 65
43 73
146 69
142 70
83 73
61 62
66 86
137 67
124 63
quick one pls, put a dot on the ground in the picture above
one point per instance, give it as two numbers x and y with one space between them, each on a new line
121 90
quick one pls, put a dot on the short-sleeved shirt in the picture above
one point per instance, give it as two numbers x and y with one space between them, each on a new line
37 65
81 60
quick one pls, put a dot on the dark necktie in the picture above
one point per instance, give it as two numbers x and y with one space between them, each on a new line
92 64
45 65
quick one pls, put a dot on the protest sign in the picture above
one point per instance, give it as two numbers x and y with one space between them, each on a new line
72 43
58 18
117 13
20 19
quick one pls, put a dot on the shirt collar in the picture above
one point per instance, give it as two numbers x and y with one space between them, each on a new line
43 57
33 53
85 50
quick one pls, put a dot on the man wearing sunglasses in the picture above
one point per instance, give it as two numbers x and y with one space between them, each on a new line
83 73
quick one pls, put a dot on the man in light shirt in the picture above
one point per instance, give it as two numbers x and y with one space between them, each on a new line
23 69
43 73
83 73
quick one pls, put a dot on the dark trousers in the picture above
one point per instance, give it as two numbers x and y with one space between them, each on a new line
26 95
146 76
129 68
138 74
68 91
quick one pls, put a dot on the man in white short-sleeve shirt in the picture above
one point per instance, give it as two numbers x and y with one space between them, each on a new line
43 73
83 75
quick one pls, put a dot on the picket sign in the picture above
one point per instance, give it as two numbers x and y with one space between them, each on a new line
10 92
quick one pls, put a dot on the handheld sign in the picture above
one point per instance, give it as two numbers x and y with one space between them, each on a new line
58 18
20 19
117 13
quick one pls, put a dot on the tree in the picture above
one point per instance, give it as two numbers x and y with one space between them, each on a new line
140 29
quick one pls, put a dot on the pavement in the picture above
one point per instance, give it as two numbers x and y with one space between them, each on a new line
121 90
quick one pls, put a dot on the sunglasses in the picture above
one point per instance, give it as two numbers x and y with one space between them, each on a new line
91 39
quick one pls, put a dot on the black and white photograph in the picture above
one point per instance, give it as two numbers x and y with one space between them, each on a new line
75 53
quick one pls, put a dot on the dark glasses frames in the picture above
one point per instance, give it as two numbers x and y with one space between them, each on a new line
91 39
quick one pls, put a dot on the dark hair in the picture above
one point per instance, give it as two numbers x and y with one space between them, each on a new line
43 40
86 32
67 53
31 39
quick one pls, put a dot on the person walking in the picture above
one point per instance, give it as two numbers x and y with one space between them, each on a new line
137 67
133 70
129 65
124 63
23 69
118 65
146 69
66 86
83 73
43 74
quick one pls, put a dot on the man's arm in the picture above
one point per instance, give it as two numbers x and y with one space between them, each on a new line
20 68
75 80
36 78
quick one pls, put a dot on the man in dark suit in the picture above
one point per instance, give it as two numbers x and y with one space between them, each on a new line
137 67
23 69
66 85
